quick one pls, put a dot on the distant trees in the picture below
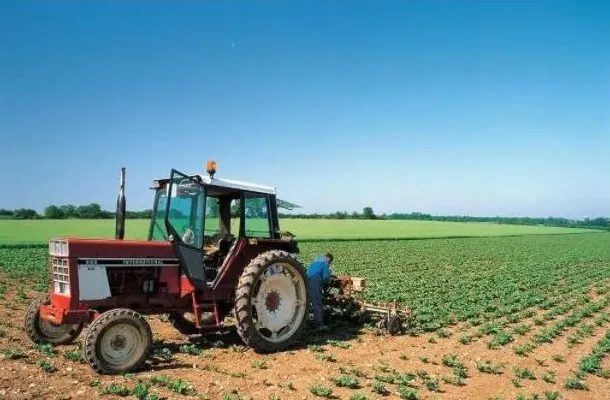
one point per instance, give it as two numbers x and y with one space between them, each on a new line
88 211
25 213
52 212
367 213
5 213
256 207
69 211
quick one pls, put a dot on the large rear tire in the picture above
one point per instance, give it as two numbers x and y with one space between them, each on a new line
41 331
117 342
272 302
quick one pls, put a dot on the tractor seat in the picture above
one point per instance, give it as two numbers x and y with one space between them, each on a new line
217 258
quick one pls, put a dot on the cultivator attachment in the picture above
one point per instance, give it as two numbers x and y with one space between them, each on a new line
346 293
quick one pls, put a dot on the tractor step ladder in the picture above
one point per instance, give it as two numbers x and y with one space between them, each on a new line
199 307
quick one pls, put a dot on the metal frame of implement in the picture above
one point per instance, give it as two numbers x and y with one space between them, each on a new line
394 318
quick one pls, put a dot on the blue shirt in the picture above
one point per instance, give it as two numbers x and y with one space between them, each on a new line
319 269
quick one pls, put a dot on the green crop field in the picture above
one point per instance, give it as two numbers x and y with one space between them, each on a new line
473 279
491 299
465 278
39 231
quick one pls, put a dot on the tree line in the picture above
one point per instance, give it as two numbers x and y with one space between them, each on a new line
95 211
69 211
367 213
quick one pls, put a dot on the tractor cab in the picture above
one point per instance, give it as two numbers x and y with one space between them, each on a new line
205 217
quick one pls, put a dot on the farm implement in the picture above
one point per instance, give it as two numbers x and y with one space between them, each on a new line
346 293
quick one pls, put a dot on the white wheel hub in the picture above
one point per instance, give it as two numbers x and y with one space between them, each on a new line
279 302
120 343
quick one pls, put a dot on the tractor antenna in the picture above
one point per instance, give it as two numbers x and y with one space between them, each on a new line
120 209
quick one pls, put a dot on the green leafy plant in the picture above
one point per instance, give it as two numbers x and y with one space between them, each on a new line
355 371
316 348
13 354
191 349
524 373
47 349
549 376
380 388
432 384
408 393
46 365
552 395
177 385
465 339
321 391
259 364
345 381
576 383
444 333
339 344
501 338
522 329
72 355
115 390
326 357
487 367
559 358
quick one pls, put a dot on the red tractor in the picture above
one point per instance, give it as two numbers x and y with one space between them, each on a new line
214 247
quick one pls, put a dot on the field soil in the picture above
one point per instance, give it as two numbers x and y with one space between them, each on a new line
220 367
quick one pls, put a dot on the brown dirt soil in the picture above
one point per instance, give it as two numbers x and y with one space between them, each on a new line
227 367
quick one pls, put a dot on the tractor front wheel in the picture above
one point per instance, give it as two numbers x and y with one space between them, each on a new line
117 342
272 302
41 331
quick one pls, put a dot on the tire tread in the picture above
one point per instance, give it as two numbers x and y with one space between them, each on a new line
245 326
90 352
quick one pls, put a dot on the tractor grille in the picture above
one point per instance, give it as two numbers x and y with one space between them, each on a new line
61 282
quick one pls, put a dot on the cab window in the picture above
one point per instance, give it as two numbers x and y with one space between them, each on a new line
212 216
256 210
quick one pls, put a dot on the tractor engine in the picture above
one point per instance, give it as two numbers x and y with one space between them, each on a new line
129 281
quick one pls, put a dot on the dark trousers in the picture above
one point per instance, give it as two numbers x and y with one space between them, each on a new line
315 293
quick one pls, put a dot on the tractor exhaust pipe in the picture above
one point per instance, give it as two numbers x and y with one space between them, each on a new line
120 209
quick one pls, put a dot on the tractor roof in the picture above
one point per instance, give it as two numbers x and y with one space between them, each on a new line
235 185
223 183
231 184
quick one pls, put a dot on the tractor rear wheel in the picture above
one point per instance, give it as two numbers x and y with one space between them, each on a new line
272 302
41 331
118 341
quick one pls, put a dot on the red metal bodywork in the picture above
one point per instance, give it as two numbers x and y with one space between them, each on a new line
178 293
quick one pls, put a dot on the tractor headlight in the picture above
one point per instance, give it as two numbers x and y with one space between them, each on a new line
58 248
61 275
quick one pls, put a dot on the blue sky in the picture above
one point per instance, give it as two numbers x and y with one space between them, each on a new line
480 108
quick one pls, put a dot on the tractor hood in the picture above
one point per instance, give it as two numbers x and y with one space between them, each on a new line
110 248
